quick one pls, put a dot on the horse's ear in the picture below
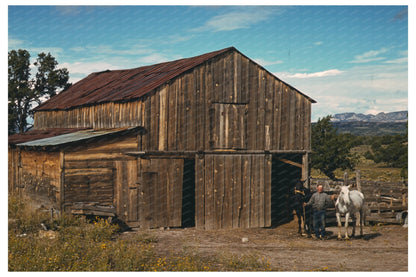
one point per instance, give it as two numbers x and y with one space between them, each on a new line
350 187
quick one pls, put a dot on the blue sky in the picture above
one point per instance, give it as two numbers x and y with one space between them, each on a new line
348 58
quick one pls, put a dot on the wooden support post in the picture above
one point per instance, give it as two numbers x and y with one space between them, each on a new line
305 170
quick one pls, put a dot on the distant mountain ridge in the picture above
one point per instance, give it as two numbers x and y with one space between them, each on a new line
393 117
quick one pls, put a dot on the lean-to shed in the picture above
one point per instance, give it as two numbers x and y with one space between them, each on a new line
212 141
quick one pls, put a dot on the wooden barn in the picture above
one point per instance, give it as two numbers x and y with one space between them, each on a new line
212 141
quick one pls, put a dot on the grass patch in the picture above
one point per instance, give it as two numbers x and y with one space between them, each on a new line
74 244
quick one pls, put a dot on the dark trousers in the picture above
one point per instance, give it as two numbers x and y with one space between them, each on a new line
319 222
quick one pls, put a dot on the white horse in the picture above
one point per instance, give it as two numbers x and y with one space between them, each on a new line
348 204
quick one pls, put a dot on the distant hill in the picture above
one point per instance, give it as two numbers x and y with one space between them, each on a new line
371 125
363 128
381 117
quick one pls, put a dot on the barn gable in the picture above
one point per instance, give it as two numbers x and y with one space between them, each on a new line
217 136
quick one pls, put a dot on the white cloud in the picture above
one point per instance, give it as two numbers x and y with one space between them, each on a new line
326 73
370 88
266 63
238 19
398 60
15 43
370 56
153 59
318 43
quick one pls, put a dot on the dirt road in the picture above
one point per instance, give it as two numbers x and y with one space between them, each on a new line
383 248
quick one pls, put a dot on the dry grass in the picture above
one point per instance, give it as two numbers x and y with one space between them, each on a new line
76 245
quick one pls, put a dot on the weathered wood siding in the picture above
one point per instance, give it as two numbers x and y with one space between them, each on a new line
109 115
37 175
233 191
160 192
91 171
228 102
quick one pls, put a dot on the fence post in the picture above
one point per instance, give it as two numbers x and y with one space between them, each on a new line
358 179
345 178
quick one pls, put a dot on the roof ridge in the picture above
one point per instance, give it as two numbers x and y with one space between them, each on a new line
167 62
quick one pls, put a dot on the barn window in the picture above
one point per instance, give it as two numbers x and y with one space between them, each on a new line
228 126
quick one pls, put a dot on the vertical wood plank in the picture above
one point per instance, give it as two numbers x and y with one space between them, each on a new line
161 192
261 195
237 191
268 117
262 81
218 80
132 190
172 119
163 126
218 190
229 80
284 130
181 127
177 190
209 192
227 220
200 192
307 126
154 121
200 109
254 192
292 119
208 104
193 96
267 190
252 107
245 80
245 190
237 78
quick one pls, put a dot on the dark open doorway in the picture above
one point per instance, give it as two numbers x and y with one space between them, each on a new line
188 194
284 176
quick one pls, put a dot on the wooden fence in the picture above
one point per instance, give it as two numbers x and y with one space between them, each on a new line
385 200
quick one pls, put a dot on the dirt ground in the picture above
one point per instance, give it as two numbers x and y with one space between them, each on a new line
382 248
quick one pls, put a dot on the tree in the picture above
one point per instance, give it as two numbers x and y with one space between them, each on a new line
24 92
390 149
329 149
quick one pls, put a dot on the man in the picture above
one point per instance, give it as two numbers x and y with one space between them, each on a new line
319 202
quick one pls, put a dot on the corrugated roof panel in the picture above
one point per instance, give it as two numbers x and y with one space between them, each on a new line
40 134
72 137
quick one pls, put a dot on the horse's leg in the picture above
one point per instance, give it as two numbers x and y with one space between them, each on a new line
339 225
299 216
347 218
361 222
354 222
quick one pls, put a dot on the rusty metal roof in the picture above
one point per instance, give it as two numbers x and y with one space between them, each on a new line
122 85
73 137
128 84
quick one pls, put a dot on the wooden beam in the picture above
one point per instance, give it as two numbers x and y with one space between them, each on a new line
291 162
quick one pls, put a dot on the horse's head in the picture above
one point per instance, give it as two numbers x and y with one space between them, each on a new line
299 186
344 194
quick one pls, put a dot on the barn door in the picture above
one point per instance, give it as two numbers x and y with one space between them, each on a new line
127 191
160 194
286 170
